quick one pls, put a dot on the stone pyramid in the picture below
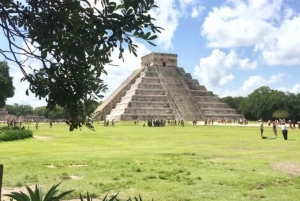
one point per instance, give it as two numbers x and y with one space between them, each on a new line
162 90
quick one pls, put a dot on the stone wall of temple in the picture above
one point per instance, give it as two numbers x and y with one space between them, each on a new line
159 59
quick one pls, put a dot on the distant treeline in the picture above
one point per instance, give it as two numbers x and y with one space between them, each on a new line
266 104
58 113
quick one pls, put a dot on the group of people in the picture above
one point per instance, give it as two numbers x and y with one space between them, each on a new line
284 129
106 122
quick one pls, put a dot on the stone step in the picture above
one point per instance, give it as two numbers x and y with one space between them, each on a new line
155 98
150 86
150 74
148 104
149 92
150 80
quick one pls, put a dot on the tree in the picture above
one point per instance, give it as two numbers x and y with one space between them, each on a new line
73 41
281 114
6 83
18 110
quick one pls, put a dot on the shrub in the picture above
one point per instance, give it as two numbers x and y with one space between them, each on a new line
37 195
9 134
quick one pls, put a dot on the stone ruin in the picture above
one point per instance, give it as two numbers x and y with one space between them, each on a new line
162 90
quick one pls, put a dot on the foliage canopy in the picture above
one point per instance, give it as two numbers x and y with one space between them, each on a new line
7 87
265 103
73 41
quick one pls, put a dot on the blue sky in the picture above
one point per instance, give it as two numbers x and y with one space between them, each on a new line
232 47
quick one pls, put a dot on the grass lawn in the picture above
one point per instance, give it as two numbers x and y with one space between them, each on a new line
164 164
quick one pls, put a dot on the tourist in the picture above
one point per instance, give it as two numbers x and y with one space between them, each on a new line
36 125
113 122
284 131
274 129
261 127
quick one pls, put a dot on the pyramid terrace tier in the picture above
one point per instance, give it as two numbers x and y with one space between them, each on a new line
207 98
201 93
146 104
194 85
212 105
141 110
147 110
225 111
221 116
142 117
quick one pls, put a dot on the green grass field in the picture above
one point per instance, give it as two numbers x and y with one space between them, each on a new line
164 164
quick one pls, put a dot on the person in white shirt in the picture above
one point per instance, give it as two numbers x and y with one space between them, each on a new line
284 131
261 127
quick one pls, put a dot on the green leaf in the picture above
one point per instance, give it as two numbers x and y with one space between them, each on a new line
152 37
151 43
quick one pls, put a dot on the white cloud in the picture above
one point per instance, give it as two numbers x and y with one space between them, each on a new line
20 87
295 89
167 16
270 27
284 49
246 65
214 69
253 82
237 23
197 11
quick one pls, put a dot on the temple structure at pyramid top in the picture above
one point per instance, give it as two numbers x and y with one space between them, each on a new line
162 90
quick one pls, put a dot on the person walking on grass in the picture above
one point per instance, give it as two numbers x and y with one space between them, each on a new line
284 131
274 129
261 127
36 125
